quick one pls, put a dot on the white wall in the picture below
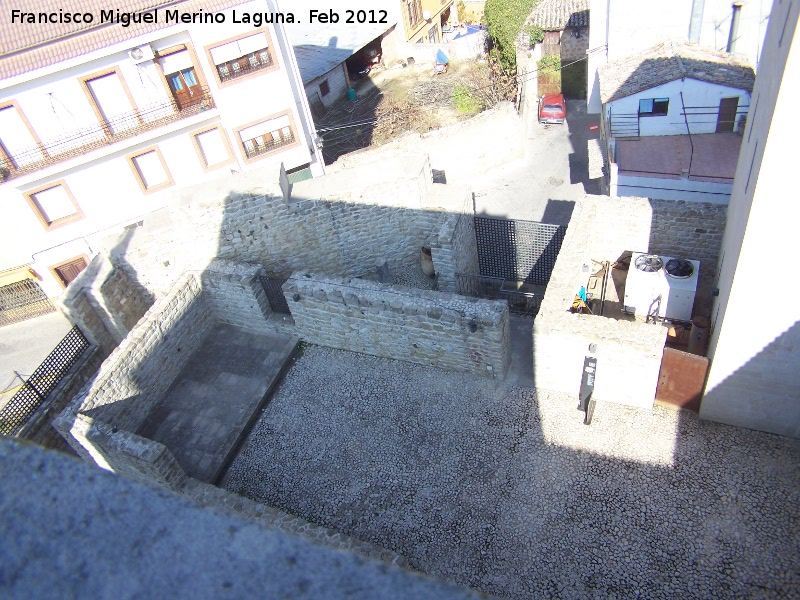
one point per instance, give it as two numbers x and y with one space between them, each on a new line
754 380
661 188
695 93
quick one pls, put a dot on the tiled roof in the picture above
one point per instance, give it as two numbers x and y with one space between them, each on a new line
669 61
25 47
556 15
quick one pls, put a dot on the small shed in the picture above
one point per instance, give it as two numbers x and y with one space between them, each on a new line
675 88
566 27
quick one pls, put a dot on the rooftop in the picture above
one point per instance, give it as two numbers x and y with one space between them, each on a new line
669 61
25 47
708 157
555 15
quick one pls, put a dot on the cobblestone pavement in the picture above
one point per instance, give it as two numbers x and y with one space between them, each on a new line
505 490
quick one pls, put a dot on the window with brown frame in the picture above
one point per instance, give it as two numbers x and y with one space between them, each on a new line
242 56
112 101
267 136
66 272
179 70
150 169
212 147
54 205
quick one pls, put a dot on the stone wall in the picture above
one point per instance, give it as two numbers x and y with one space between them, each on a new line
342 224
105 301
574 48
456 249
431 328
235 295
140 370
682 229
628 353
691 230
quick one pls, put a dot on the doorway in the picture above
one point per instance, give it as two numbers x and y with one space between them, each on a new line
727 114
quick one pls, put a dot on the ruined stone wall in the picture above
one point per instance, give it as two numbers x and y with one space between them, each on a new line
455 250
235 295
628 353
431 328
105 301
342 224
143 366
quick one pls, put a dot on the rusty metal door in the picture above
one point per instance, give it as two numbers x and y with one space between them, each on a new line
726 119
681 380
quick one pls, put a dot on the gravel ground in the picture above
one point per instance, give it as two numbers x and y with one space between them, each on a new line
505 490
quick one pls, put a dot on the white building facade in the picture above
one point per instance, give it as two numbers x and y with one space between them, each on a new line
97 129
754 379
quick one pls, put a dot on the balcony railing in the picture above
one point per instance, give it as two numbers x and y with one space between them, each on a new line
260 146
110 131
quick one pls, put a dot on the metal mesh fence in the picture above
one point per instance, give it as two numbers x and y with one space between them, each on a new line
44 380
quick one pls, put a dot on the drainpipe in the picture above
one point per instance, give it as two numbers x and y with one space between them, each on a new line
737 9
696 21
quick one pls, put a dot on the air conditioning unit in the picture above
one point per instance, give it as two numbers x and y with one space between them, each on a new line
141 53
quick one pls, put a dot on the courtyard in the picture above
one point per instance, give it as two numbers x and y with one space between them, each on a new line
502 488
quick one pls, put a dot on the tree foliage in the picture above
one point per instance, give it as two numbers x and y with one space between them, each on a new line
504 20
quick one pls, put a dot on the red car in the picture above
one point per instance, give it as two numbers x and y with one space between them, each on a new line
552 108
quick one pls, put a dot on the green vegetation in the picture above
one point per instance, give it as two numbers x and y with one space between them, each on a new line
467 103
535 34
550 74
504 20
549 62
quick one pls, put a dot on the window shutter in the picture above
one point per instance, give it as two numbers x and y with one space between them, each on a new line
179 61
263 128
225 53
252 43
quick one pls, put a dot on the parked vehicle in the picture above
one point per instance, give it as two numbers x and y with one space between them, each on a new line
552 108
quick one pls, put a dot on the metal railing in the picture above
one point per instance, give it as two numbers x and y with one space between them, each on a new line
21 301
34 392
521 297
109 131
254 149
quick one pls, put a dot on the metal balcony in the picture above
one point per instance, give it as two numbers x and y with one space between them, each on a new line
110 131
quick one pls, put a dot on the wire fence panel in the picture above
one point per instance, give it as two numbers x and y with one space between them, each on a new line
23 300
521 297
44 380
515 250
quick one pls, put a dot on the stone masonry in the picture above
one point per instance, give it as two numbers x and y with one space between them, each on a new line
456 250
426 327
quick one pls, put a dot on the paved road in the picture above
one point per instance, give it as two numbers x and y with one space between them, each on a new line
23 346
554 173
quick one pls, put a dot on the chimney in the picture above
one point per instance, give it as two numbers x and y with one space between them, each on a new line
696 21
737 8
